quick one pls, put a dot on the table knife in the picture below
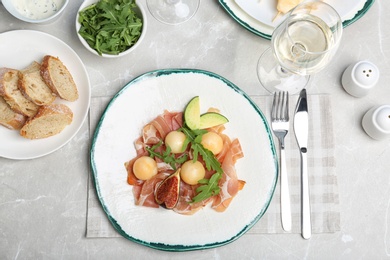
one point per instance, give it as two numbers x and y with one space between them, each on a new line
301 129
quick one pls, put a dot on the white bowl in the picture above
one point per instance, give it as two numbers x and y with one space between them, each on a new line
41 18
140 12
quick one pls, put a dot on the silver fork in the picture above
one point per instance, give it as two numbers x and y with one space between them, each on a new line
280 126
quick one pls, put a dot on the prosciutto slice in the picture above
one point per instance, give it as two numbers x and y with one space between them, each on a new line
158 128
144 194
229 184
144 191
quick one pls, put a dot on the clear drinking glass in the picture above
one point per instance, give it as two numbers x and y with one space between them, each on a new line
302 45
173 11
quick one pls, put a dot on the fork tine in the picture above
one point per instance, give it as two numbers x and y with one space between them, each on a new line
285 115
280 106
274 107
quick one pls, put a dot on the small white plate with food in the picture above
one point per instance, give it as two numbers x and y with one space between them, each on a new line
141 111
44 91
262 16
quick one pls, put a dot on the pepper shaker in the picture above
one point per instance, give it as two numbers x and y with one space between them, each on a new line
376 122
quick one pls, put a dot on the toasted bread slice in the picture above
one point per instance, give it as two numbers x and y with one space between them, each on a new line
10 118
50 120
12 95
58 78
33 87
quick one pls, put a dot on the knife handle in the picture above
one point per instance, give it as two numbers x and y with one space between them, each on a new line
305 197
285 205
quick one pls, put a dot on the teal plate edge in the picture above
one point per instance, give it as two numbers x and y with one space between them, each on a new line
182 248
359 14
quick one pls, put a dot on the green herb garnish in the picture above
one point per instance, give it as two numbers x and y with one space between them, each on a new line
166 155
208 187
110 26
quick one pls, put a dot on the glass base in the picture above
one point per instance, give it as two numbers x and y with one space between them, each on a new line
173 11
274 78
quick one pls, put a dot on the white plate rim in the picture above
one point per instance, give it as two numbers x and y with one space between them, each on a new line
80 75
264 30
178 247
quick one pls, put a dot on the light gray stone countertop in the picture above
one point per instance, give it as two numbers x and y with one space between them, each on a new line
43 201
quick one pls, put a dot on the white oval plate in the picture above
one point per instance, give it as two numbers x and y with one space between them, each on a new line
257 15
142 100
17 50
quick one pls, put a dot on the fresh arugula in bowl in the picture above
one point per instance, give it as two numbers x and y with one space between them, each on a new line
110 26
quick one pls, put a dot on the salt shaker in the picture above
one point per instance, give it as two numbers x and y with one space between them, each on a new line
376 122
359 78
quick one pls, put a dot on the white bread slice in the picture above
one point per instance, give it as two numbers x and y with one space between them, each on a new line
33 87
50 120
12 95
58 78
10 118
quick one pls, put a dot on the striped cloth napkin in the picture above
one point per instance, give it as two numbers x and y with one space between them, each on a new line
325 214
324 196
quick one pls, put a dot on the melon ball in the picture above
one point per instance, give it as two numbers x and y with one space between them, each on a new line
213 142
145 168
175 141
191 172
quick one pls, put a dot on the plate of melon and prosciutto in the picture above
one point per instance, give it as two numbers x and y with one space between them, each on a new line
262 16
183 159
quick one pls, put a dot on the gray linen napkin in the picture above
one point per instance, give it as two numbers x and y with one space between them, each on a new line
98 224
324 196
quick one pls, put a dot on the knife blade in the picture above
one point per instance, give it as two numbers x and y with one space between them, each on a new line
301 129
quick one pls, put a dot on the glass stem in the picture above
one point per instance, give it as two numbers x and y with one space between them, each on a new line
282 72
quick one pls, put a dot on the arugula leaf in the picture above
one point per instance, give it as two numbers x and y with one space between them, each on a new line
110 26
208 187
166 155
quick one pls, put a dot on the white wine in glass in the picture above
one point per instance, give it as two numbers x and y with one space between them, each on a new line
173 11
302 45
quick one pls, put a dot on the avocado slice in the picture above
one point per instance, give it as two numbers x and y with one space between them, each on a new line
211 119
192 113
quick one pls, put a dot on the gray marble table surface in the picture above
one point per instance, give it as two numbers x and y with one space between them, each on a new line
43 202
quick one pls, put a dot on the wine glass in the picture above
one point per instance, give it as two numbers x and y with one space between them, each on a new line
303 44
173 11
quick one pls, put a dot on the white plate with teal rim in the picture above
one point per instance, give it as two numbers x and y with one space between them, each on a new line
257 15
20 48
140 101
